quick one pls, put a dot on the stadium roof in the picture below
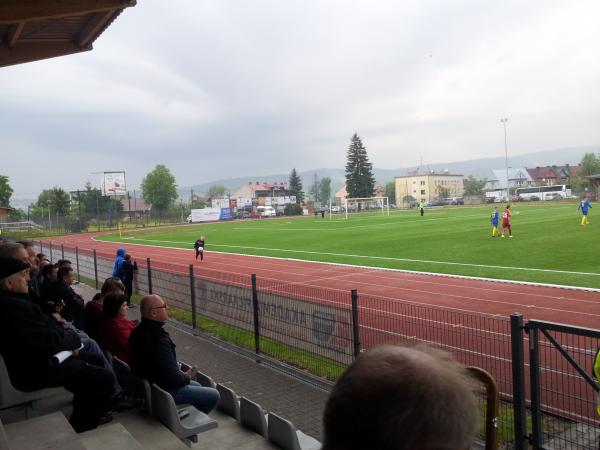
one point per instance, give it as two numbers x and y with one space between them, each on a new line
31 30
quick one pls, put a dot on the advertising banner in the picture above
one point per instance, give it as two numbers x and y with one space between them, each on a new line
206 214
226 214
244 201
220 202
113 183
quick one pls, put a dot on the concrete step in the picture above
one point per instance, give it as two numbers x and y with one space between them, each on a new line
230 436
109 437
50 431
148 431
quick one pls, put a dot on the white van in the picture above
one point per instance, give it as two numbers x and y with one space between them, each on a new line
266 211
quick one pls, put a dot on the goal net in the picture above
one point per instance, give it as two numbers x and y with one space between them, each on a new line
366 205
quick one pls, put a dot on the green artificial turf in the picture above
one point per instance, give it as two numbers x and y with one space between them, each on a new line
549 244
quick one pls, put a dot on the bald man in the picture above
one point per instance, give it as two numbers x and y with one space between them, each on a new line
153 357
399 398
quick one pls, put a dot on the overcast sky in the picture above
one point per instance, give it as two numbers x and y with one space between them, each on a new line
222 88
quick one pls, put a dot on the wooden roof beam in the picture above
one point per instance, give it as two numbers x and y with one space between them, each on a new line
93 27
14 34
15 11
23 53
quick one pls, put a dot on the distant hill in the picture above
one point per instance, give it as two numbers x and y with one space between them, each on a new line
473 167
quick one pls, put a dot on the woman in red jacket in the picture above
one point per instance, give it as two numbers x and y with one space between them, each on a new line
115 327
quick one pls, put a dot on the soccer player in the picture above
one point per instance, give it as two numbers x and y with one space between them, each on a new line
506 221
422 207
584 205
494 221
199 246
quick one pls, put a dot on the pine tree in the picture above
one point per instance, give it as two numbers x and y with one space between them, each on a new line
296 186
360 182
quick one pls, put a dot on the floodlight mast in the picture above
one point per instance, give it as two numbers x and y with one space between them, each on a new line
504 120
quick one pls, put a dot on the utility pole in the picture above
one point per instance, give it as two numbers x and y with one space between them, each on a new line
504 120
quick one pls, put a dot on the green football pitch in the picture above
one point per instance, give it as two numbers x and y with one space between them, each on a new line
549 244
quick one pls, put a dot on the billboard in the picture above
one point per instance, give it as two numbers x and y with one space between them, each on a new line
206 214
113 183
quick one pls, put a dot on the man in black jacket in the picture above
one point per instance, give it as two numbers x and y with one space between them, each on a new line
153 357
73 309
28 338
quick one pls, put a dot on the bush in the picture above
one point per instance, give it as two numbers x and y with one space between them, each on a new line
293 209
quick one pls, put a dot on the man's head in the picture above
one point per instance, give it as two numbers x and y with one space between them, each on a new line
14 250
66 275
64 263
153 307
31 254
401 398
50 272
14 275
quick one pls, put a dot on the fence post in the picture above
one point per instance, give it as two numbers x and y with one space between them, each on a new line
95 269
518 376
62 251
193 296
50 245
148 264
534 365
255 311
355 324
41 247
77 263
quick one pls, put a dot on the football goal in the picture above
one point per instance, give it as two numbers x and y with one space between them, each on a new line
379 205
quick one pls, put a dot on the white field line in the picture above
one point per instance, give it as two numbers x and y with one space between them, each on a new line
381 258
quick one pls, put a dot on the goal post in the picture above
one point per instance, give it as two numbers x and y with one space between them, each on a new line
379 204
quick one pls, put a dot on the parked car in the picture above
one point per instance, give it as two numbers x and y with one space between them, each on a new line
266 211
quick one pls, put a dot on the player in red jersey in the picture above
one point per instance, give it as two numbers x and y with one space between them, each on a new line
506 222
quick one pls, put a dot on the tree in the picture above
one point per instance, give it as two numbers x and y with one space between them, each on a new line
325 189
390 191
217 190
590 164
295 184
5 191
359 171
473 186
159 189
442 191
315 192
56 199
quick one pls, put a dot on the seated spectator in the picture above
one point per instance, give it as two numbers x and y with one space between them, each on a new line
34 285
115 327
64 263
93 310
398 398
153 357
73 310
28 339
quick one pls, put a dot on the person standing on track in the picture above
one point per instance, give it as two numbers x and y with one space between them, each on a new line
583 206
494 221
506 222
199 246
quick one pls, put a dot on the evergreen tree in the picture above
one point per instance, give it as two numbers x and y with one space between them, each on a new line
360 182
296 186
5 191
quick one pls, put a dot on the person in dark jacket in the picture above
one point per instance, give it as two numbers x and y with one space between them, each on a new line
199 247
127 269
28 338
153 357
73 309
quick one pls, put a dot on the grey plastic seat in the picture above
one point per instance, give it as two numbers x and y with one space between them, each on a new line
11 396
184 421
253 416
283 433
205 380
229 402
147 392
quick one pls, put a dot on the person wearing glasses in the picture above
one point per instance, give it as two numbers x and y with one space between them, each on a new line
152 355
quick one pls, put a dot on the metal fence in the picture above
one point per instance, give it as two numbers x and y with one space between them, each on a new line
547 395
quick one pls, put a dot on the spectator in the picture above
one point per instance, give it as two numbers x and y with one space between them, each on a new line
153 357
93 310
28 339
115 327
128 267
118 268
34 285
73 310
398 398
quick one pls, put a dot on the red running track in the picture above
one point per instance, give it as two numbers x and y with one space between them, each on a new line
498 298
